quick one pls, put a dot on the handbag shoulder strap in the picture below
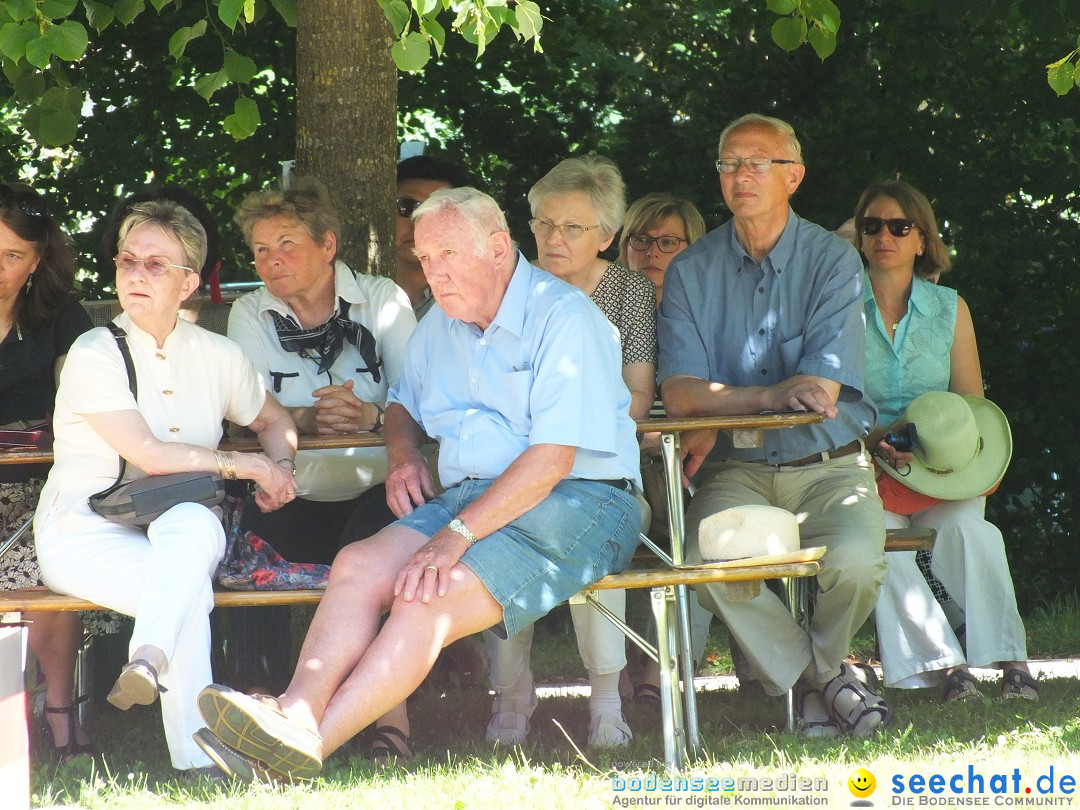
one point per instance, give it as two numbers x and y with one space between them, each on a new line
125 352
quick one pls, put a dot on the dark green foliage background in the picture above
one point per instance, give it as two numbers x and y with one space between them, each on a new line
952 96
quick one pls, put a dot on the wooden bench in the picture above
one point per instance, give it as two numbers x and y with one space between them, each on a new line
667 584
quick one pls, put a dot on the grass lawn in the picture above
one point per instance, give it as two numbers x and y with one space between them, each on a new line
1017 741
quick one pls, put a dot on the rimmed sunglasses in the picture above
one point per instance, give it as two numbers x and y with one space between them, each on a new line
406 206
871 226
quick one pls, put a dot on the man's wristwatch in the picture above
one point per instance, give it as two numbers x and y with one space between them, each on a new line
380 418
287 462
456 525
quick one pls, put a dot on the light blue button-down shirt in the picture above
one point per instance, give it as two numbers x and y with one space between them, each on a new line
919 359
728 319
548 370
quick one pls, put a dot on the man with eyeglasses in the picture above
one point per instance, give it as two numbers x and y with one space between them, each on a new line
765 314
417 178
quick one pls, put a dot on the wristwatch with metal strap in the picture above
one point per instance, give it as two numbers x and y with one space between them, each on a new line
456 525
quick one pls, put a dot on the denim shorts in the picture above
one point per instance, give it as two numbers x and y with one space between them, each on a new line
582 531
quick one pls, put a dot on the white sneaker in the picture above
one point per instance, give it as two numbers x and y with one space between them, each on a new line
609 730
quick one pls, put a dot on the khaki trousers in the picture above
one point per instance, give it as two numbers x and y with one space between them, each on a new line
837 505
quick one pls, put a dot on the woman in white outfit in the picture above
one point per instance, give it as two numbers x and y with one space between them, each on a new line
188 381
920 338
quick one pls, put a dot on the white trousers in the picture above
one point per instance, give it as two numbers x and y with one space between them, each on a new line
917 643
163 578
601 644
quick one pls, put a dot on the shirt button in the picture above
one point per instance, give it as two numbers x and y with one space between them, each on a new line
773 454
761 289
483 341
472 380
761 331
764 371
465 436
167 392
174 430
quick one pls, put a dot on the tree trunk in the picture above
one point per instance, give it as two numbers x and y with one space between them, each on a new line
346 111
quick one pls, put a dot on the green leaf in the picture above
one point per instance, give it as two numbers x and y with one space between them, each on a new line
13 39
1061 76
397 12
57 9
68 40
21 9
424 8
99 15
826 13
27 82
433 29
287 10
209 84
789 33
38 52
54 119
178 42
782 7
229 12
823 42
159 4
128 10
244 120
249 11
411 53
240 69
529 20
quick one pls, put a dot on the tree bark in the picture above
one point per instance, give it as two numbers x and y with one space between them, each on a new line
346 110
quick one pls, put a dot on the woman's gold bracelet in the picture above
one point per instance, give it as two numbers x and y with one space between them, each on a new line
226 465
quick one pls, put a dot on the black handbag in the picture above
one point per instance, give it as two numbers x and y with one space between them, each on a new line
142 501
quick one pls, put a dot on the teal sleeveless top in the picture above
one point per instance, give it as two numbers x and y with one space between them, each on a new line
919 359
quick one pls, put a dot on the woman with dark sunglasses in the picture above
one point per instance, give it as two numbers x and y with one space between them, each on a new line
39 320
920 338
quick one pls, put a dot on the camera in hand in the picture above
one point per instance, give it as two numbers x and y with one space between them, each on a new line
903 440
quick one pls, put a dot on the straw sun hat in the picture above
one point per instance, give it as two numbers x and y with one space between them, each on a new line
963 447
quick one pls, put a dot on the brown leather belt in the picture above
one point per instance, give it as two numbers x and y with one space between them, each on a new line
847 450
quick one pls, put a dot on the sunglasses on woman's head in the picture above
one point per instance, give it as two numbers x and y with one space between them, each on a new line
25 199
871 226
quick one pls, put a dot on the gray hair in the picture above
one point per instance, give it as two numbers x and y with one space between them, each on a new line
777 125
650 211
176 221
306 200
478 209
595 177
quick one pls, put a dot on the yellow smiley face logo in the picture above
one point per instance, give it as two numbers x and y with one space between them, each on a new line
861 783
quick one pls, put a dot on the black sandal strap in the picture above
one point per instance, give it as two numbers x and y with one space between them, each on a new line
383 740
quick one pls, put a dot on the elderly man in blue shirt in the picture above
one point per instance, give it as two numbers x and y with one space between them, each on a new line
764 314
518 376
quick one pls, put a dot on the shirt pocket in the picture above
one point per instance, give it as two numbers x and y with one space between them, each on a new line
508 396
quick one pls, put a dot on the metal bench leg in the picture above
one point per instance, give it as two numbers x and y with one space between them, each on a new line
796 589
671 706
686 666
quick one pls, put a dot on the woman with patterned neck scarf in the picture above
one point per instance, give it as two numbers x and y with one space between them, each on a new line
329 343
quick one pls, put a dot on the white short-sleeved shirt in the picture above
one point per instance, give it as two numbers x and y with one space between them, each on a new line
382 307
186 388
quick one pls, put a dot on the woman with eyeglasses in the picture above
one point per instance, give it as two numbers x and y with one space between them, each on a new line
329 343
188 380
577 210
39 320
920 338
658 228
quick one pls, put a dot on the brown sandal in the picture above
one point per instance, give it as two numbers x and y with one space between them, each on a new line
959 685
1015 683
